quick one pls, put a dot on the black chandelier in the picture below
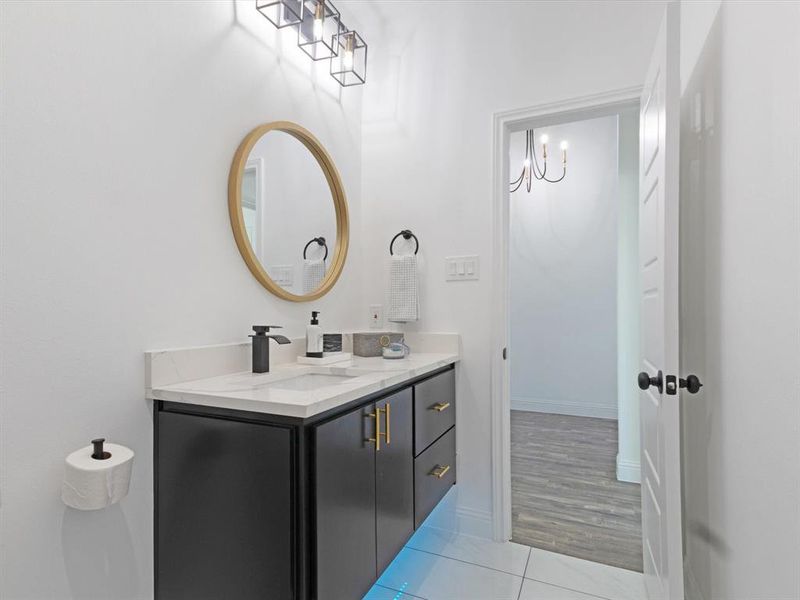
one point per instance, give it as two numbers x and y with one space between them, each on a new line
530 167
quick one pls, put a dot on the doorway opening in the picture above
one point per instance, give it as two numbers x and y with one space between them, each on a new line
573 307
568 258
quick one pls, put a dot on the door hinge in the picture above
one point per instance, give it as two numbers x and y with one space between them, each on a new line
505 353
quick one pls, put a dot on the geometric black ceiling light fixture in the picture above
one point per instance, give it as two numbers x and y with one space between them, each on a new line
317 31
349 66
281 13
322 35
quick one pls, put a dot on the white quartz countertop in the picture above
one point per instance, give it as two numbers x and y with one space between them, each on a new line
289 391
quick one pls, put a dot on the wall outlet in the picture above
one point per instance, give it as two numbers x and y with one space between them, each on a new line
376 316
461 268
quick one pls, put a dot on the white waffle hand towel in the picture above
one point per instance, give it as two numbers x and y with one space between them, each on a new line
403 289
313 274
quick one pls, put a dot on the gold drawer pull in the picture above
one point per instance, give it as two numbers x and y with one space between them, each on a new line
440 406
440 471
388 412
378 433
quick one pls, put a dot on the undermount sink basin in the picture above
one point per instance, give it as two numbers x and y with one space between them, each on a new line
310 382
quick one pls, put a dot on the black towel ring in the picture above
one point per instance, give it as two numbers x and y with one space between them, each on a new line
321 241
407 235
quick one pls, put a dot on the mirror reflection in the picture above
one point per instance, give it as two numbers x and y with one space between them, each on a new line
288 212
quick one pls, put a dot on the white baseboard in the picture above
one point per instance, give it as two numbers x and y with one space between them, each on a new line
564 407
475 522
692 589
463 520
450 516
629 470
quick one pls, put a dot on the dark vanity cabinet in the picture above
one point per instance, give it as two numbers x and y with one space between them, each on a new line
251 505
364 507
223 503
434 442
394 479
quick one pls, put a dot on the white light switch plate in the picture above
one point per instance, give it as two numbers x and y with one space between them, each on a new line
282 274
376 316
462 268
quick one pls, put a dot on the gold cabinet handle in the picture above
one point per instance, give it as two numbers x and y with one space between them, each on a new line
440 471
377 439
440 406
388 412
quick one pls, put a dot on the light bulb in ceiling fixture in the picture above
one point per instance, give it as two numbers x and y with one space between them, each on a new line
347 60
530 165
319 19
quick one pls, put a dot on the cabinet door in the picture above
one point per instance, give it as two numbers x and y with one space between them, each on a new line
223 509
395 477
345 506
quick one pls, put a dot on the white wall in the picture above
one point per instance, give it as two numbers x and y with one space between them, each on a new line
437 75
563 275
628 451
740 293
119 124
118 128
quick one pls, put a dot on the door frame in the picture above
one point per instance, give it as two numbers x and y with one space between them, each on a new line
503 125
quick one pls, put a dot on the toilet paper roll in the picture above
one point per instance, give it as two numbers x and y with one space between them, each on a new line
90 484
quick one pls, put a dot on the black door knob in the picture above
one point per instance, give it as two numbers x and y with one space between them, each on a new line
691 383
645 381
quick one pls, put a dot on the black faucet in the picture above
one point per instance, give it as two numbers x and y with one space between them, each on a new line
261 346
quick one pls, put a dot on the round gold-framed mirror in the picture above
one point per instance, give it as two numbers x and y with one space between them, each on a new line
288 211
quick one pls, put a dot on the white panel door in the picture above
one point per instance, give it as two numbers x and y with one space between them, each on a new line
658 255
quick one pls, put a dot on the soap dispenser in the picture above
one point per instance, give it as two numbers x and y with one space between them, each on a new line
314 337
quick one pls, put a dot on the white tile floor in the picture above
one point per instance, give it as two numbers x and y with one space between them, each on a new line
442 565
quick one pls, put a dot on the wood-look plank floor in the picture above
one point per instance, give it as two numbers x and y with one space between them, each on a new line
564 492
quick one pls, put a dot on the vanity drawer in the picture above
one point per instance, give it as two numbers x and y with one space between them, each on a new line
434 473
434 409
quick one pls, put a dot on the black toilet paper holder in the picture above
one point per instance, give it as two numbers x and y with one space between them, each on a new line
99 453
